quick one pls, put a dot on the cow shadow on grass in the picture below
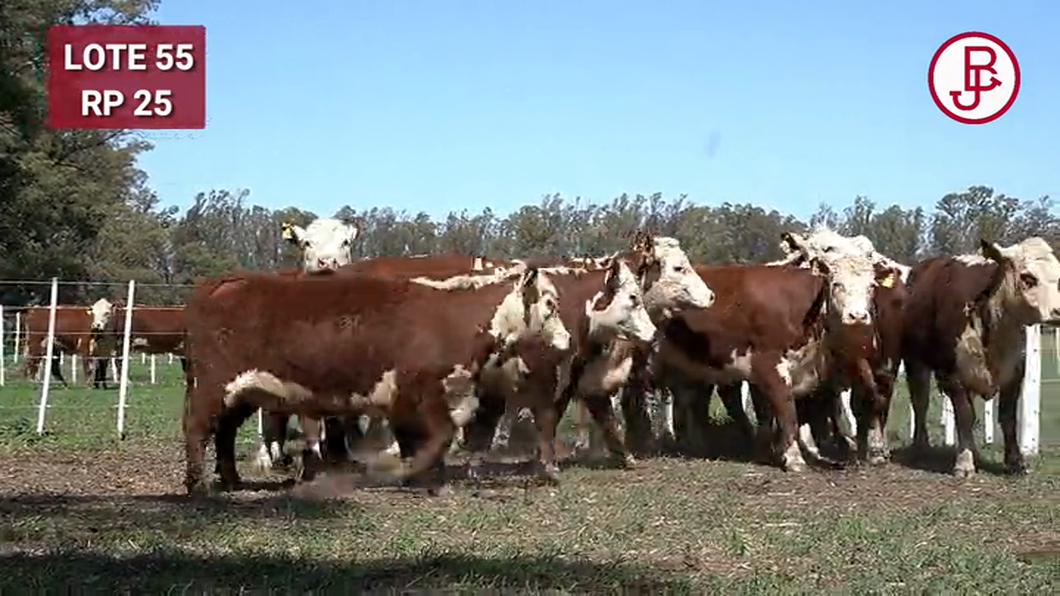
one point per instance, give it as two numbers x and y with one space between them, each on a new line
31 518
165 572
939 460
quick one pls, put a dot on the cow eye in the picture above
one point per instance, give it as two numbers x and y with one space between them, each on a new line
1029 280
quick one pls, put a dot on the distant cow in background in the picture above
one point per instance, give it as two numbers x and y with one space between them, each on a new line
74 326
155 330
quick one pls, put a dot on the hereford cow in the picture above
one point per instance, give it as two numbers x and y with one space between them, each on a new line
968 316
785 330
870 408
344 345
326 243
74 326
601 367
604 306
423 267
155 330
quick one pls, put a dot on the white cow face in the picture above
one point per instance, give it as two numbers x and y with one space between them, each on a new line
325 243
670 281
531 308
846 264
101 312
624 315
1032 273
850 279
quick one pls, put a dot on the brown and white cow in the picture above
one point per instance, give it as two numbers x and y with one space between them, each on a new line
785 330
870 402
74 326
422 267
604 306
669 285
155 330
338 345
967 324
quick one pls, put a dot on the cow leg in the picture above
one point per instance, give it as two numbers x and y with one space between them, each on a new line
918 381
228 423
766 376
871 417
196 434
439 431
480 432
732 398
504 429
546 419
583 433
964 420
273 435
634 400
1008 405
602 410
312 458
57 371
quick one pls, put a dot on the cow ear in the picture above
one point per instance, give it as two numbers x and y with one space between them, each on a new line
991 251
288 232
88 310
818 267
788 244
529 277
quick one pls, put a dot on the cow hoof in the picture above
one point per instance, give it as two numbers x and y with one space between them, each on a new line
964 467
877 458
1016 468
439 491
626 461
549 474
263 461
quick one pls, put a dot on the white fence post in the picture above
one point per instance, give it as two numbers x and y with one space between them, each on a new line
1031 400
3 363
49 351
18 335
988 421
153 377
73 368
123 383
949 427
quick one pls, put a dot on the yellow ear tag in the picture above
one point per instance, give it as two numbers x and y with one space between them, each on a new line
888 281
287 235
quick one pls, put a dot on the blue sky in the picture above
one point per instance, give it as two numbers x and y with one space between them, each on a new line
446 105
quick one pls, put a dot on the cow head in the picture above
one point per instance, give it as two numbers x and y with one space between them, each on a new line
325 243
847 266
669 281
619 308
101 311
531 308
1028 283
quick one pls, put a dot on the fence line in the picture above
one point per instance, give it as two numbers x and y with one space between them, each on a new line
1029 413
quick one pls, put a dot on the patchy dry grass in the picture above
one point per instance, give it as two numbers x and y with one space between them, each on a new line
80 511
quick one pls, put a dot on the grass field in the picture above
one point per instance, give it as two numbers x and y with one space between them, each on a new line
81 511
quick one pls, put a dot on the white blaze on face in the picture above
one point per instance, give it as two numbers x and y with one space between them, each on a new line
625 315
101 311
1037 275
325 243
851 279
531 308
677 286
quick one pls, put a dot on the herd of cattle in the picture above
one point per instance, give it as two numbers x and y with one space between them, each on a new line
443 351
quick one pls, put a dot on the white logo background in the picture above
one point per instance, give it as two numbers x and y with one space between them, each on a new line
949 73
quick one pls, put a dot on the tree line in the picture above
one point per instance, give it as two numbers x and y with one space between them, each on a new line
75 205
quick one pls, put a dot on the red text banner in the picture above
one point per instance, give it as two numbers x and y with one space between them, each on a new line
136 77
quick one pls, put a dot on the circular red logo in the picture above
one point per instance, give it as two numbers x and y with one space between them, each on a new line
974 77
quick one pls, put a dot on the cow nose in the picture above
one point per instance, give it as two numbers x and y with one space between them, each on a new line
858 317
326 263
